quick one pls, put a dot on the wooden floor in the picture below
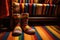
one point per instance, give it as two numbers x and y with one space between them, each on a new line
42 33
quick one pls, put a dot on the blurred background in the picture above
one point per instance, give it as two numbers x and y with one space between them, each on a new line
44 17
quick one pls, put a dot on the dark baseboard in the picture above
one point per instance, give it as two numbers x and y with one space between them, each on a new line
35 21
44 23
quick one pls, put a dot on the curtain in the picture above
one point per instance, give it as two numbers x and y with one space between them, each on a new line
4 8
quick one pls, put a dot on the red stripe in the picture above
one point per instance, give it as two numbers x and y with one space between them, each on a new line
31 1
21 1
30 9
7 9
2 35
50 10
56 10
35 37
20 7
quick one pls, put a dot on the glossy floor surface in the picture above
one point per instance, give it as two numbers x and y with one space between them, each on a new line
51 32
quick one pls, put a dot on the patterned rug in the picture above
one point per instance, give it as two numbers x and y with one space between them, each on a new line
42 33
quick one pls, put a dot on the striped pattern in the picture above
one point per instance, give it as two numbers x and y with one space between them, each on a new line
53 10
38 1
39 9
42 33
